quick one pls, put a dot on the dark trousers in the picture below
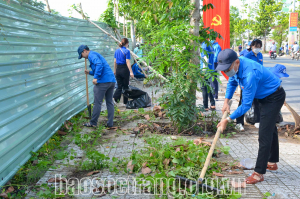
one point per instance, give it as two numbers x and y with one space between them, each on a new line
215 85
139 76
122 76
101 90
206 95
268 136
240 120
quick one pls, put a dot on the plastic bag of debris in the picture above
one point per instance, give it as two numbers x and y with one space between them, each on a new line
250 117
140 99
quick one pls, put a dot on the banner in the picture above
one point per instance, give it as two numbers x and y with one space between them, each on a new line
293 29
218 19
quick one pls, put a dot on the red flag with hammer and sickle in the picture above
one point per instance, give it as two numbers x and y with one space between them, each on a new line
218 19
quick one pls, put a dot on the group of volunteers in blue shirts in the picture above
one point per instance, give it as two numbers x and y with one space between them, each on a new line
259 84
210 52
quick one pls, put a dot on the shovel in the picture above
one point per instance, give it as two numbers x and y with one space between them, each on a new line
207 161
89 107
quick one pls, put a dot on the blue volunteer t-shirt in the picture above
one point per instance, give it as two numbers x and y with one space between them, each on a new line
121 55
258 58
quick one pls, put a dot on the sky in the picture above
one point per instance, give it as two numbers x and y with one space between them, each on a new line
94 8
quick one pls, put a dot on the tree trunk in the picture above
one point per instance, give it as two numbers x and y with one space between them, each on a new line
132 34
124 25
118 14
194 22
265 40
115 9
126 30
48 7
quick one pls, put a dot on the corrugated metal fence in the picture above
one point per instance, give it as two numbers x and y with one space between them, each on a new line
42 82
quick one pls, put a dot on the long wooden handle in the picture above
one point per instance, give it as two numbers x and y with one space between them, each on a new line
86 86
212 148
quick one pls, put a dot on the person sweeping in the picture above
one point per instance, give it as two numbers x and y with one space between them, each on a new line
258 82
104 81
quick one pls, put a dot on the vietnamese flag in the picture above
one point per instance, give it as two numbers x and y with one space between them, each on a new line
218 19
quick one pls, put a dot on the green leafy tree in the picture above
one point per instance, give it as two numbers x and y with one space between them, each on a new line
281 29
266 15
172 44
234 19
108 15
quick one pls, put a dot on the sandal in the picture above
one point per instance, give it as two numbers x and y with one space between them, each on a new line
272 167
88 124
213 109
255 178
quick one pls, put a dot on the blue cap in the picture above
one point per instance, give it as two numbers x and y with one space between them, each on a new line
225 59
80 50
212 41
249 43
279 70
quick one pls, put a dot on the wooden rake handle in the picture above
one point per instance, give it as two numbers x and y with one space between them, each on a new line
212 148
86 86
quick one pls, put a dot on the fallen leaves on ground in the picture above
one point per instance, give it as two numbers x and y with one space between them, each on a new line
166 162
4 195
136 129
92 173
156 108
61 132
146 170
144 164
130 166
177 149
218 174
198 141
151 155
147 117
64 180
238 184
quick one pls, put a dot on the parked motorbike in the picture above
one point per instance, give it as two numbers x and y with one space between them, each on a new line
273 55
295 55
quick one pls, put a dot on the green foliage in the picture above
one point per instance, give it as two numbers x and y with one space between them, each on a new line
34 3
281 30
108 15
180 157
165 28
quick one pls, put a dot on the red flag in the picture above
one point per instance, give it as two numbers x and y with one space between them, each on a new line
218 19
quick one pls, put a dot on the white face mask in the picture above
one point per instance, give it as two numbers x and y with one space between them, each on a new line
231 73
256 50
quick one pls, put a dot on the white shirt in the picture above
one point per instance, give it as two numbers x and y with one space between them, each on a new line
273 47
296 47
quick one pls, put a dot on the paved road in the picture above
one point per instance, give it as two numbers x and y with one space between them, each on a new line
290 84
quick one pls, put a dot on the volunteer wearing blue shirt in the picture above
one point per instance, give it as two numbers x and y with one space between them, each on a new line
137 71
258 82
246 51
207 51
104 81
122 70
214 84
256 56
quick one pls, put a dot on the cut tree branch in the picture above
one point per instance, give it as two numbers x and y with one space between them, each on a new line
118 42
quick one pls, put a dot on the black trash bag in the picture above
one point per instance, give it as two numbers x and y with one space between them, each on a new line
133 92
279 118
142 101
249 115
